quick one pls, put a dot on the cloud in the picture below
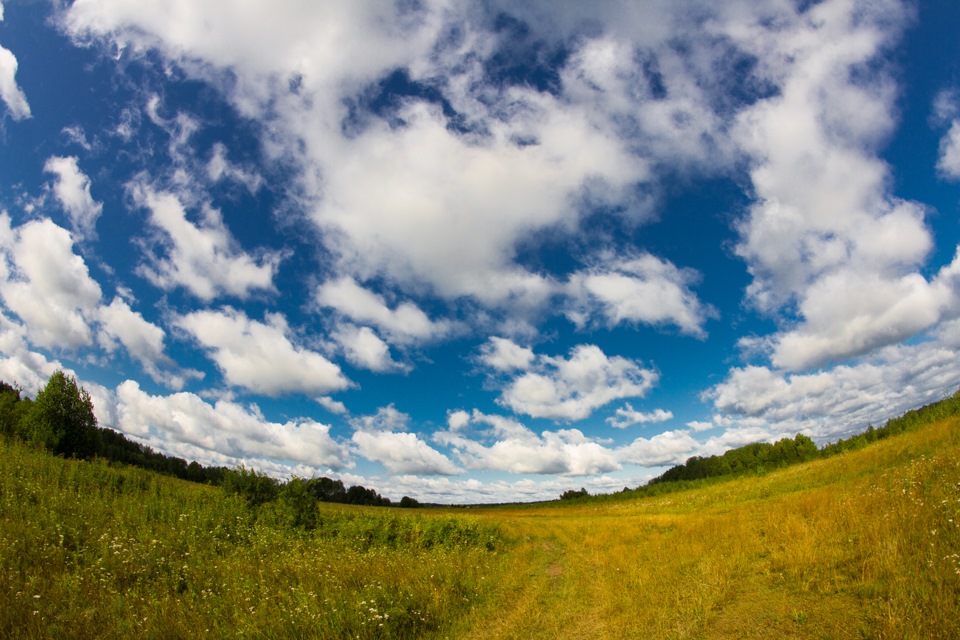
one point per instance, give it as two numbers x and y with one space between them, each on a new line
382 437
143 340
10 92
627 416
204 257
503 444
18 363
667 448
836 402
220 168
226 429
572 388
46 284
72 189
403 324
365 349
643 289
260 357
948 163
502 354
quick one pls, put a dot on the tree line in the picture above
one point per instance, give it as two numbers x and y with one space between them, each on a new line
61 420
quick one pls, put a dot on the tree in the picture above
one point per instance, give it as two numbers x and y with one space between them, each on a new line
572 494
299 505
61 418
254 487
409 503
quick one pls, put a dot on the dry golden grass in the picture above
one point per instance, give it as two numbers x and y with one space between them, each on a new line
863 545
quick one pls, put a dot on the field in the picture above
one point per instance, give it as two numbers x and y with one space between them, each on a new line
861 545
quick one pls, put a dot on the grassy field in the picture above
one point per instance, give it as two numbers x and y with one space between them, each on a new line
861 545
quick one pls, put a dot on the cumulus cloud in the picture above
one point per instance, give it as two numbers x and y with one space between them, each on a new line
261 357
72 189
143 340
46 284
11 94
667 448
503 354
226 429
644 289
572 388
18 363
495 443
404 323
948 163
202 257
836 402
382 437
823 219
627 416
364 349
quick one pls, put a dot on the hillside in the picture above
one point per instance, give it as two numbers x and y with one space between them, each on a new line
863 544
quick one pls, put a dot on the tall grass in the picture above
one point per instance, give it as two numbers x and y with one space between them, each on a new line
865 544
89 550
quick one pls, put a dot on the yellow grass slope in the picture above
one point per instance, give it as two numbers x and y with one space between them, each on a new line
861 545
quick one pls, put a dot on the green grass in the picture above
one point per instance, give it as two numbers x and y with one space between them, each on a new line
92 551
865 544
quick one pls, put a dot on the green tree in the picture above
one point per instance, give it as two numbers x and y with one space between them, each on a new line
62 420
299 504
254 487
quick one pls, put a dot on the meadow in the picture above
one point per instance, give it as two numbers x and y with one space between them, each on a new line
864 544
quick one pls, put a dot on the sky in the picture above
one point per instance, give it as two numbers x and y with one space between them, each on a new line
481 251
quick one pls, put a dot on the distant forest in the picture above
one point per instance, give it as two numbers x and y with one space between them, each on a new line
61 420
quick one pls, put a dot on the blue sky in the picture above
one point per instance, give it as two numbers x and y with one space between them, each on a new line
471 252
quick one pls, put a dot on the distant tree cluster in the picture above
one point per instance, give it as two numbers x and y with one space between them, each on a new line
61 420
572 494
763 456
760 456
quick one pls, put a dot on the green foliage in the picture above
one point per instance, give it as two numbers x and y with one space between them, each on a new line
91 550
573 494
298 504
253 487
62 420
407 502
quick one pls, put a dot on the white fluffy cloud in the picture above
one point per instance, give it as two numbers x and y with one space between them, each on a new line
948 164
825 233
365 349
382 437
644 289
572 388
627 416
226 429
836 402
11 94
72 189
204 257
46 284
143 340
18 363
402 324
261 357
495 443
503 354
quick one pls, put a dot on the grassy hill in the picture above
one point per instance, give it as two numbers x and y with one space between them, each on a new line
864 544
